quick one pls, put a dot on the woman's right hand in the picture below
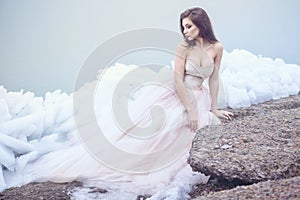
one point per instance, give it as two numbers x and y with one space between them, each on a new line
193 120
223 113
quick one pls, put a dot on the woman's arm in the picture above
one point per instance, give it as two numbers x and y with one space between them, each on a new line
214 84
214 77
179 84
179 68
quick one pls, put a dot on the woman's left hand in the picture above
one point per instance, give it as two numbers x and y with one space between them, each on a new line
223 113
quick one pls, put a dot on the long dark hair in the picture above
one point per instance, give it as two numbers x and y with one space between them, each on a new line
200 18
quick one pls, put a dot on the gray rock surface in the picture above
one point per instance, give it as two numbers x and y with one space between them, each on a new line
40 191
261 143
276 189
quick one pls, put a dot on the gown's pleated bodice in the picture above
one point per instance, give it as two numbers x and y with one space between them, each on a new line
195 75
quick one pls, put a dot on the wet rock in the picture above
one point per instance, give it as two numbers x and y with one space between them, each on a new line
213 185
45 190
261 143
276 189
97 190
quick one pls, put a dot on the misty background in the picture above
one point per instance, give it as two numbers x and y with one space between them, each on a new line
44 43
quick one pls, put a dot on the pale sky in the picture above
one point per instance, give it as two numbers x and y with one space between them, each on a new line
44 43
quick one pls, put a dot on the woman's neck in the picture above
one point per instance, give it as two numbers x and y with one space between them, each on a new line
202 42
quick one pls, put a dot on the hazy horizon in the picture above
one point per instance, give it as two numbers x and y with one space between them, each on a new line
44 43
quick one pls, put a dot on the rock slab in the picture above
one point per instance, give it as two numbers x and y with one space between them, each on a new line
261 143
279 189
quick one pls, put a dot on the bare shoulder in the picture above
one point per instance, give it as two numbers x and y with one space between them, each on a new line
183 45
218 46
182 48
218 52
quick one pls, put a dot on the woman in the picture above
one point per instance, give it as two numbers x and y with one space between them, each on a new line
188 107
197 58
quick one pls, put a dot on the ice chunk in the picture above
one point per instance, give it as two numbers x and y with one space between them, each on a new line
7 157
2 181
15 145
5 114
17 101
14 127
237 97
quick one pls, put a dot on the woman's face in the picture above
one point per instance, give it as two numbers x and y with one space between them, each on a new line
190 30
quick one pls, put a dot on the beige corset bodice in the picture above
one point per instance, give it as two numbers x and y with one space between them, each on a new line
195 75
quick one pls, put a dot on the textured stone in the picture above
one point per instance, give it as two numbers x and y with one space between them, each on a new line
45 190
276 189
261 143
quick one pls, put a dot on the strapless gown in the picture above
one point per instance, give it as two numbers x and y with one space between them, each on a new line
164 153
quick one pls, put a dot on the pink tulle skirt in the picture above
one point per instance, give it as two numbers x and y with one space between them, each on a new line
164 146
